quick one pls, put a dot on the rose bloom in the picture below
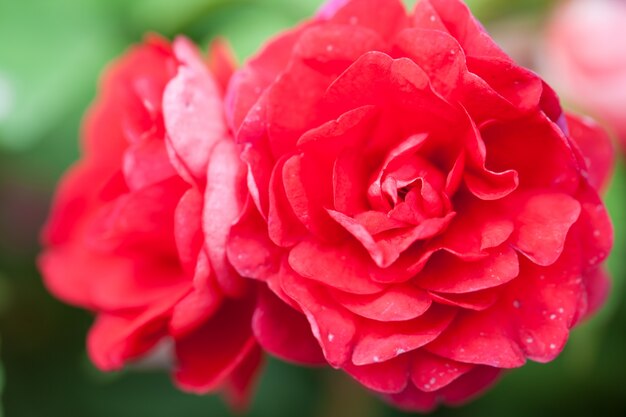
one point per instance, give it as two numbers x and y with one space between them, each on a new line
134 233
586 56
421 209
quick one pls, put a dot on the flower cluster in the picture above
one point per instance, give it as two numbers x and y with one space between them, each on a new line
382 191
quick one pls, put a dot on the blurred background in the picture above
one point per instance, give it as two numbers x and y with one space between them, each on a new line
51 54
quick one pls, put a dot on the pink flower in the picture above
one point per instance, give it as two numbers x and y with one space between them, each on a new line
586 57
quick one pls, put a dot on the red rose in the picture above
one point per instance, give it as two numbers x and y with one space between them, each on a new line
419 210
586 57
138 227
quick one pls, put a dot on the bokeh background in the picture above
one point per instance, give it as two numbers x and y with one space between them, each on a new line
51 54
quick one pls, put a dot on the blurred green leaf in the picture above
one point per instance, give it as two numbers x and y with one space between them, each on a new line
246 27
1 388
297 9
169 17
487 10
55 49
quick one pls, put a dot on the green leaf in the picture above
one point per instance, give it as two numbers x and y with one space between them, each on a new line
49 64
169 17
246 27
1 388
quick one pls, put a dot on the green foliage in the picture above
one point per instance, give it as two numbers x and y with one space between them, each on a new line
49 62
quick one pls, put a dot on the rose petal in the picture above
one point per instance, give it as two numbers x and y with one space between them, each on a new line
331 48
77 195
379 342
388 377
386 17
194 118
387 248
284 332
484 94
260 164
479 300
115 339
399 155
413 400
146 163
469 385
598 285
221 62
138 219
448 274
518 86
453 180
398 303
241 381
513 146
349 130
292 106
482 338
188 228
249 249
112 341
197 306
490 185
301 178
248 83
114 283
481 181
333 327
475 229
542 225
595 225
274 283
430 372
207 356
129 101
595 146
544 306
224 198
383 255
437 53
342 267
460 23
392 83
350 176
283 227
376 222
